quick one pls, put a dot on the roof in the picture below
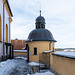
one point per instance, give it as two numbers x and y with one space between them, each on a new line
40 19
9 8
18 44
40 35
65 54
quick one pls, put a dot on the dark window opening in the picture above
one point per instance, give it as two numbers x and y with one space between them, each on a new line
42 26
38 26
35 51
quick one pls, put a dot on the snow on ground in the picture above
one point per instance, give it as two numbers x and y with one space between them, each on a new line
46 73
5 66
33 64
16 66
19 66
36 64
66 54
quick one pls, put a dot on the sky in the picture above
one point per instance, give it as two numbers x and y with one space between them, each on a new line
59 16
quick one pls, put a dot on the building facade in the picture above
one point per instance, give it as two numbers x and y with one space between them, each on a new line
19 48
5 21
39 40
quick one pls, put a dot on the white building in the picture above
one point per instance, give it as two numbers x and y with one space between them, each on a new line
5 43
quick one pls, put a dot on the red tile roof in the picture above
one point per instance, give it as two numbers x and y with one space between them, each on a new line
18 44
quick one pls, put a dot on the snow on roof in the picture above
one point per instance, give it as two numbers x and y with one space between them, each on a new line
69 50
48 51
35 64
66 50
20 50
65 54
46 73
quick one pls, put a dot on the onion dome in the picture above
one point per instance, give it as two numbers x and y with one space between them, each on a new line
40 18
40 22
40 33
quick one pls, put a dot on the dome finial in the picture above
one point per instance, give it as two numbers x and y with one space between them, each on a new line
40 12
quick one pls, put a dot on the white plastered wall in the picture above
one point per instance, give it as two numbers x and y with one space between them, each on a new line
6 22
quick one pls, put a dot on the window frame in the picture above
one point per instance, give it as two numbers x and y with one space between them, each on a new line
35 51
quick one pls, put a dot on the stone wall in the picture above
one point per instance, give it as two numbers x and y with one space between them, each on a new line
45 58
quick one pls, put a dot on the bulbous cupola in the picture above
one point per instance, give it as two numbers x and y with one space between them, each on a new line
40 22
40 33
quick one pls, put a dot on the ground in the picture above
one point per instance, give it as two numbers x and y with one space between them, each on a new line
19 66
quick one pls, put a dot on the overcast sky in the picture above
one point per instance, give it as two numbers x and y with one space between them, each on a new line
59 16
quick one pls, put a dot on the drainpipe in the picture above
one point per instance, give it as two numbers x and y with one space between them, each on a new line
3 29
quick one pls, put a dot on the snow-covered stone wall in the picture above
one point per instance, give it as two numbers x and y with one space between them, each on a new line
64 63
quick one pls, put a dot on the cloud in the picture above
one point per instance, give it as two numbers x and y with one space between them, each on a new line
59 15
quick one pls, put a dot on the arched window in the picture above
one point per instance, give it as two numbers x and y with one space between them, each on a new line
0 30
6 33
38 25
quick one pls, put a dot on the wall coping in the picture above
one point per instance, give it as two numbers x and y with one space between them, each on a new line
65 54
20 50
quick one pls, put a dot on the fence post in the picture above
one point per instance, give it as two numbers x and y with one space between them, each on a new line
12 52
6 51
49 59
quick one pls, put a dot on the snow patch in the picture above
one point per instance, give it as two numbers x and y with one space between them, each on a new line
33 64
36 64
69 50
20 50
21 58
46 73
